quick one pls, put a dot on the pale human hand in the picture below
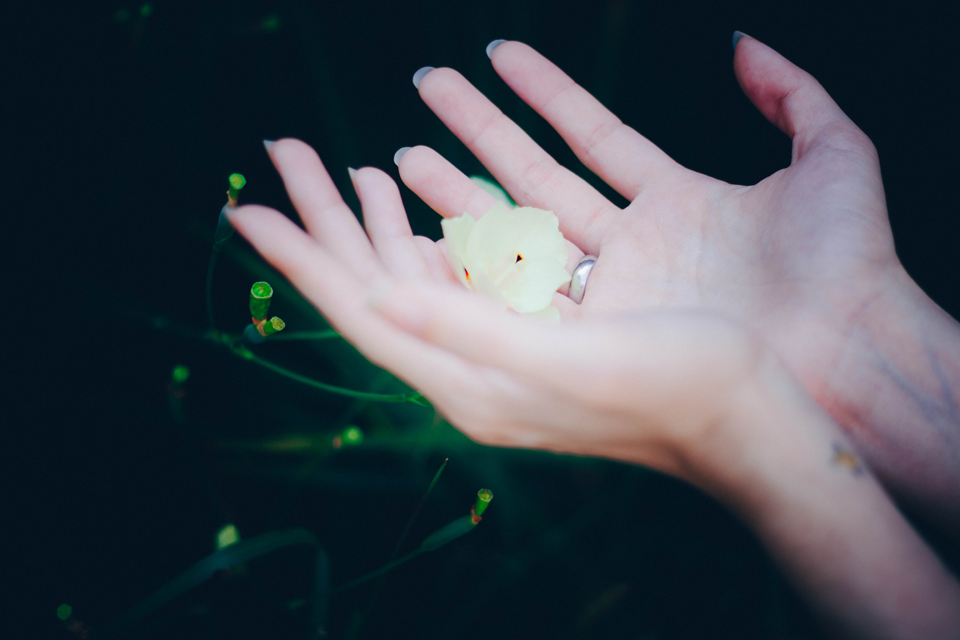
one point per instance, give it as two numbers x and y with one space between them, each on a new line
686 392
805 258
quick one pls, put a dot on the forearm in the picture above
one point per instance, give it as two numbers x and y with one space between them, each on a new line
826 520
895 393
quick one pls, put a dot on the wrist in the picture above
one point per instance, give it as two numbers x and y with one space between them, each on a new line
792 475
893 394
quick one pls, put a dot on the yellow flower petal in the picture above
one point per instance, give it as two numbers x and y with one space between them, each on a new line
516 256
456 231
529 285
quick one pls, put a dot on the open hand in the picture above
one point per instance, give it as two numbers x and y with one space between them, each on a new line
805 258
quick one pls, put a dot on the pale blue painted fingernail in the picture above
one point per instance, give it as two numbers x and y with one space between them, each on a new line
399 154
493 45
737 35
268 144
352 172
418 76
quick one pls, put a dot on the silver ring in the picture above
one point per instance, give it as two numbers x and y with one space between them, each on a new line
578 282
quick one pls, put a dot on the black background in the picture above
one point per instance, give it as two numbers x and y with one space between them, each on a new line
121 136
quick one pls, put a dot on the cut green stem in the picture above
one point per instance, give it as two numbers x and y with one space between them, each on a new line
237 182
273 326
261 295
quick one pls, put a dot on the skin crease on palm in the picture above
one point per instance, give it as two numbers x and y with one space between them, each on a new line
804 259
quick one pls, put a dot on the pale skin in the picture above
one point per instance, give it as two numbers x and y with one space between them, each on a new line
725 333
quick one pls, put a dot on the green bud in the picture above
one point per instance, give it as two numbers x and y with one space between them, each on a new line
181 373
484 496
274 325
227 536
64 611
260 295
237 182
352 435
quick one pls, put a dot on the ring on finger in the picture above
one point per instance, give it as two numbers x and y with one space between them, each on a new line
578 281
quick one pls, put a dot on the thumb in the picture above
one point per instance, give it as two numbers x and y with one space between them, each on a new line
793 100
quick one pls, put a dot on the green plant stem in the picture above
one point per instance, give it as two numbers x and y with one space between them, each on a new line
306 335
416 511
390 566
231 556
230 341
246 354
358 618
444 535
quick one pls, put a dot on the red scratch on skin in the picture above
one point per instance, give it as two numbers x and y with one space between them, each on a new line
852 419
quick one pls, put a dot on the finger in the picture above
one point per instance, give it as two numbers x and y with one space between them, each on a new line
442 186
602 362
342 298
324 213
436 259
623 158
525 170
451 194
794 101
387 226
471 327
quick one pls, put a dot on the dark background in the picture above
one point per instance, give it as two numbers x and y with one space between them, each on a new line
124 129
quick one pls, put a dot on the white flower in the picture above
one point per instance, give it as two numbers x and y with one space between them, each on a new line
516 256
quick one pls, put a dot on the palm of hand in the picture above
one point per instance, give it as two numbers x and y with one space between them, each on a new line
796 257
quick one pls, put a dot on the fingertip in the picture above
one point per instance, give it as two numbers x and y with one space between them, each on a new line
737 36
370 179
407 158
420 74
291 152
438 81
492 46
399 154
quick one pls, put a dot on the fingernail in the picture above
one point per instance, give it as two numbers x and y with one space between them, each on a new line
493 45
352 172
737 35
399 154
418 76
268 144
